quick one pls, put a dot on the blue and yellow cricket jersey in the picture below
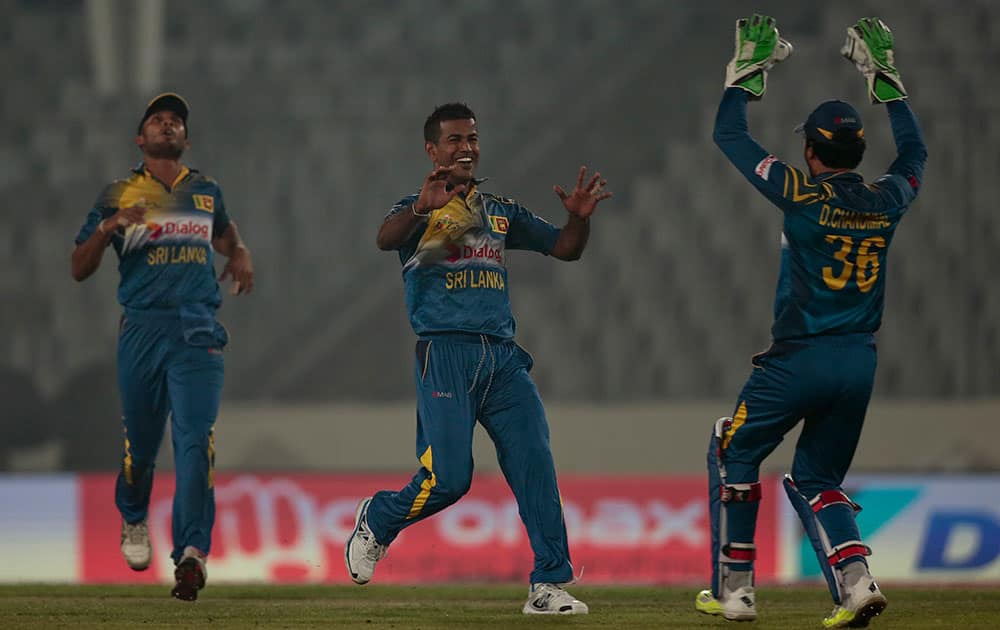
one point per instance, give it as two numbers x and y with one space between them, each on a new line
455 264
837 229
168 261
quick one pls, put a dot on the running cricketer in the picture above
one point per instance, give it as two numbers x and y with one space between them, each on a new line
452 240
164 220
821 365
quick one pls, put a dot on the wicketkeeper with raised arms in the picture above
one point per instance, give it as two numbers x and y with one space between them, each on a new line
836 234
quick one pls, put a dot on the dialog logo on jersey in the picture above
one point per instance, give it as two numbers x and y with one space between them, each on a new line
483 251
179 228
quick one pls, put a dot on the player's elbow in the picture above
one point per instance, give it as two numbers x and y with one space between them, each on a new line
80 267
75 269
716 136
389 239
566 254
80 273
722 136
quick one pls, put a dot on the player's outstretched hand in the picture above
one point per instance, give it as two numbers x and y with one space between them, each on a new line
869 46
758 48
239 267
436 192
582 200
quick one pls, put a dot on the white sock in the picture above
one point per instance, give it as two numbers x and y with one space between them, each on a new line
852 572
735 580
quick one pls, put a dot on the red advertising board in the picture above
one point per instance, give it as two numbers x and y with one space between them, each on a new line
291 528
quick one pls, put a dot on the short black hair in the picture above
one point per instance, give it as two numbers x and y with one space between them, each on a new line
844 150
441 113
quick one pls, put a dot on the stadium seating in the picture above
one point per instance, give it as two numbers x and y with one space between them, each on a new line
310 115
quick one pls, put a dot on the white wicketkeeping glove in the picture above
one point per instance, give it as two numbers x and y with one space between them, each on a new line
758 48
869 45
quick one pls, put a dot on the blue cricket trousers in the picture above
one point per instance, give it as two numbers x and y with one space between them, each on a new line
167 367
461 378
827 381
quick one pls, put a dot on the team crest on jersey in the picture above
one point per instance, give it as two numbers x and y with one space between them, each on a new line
499 224
204 202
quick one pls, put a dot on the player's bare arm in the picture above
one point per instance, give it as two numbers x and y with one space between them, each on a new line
239 263
580 203
435 193
88 254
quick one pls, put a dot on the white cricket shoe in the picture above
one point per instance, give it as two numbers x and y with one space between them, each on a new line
861 603
740 605
136 547
552 599
362 551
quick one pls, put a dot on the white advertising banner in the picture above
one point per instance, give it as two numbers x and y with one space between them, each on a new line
39 530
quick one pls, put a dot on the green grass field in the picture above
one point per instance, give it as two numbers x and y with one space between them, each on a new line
466 607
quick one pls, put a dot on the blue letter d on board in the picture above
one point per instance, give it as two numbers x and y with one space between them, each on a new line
983 526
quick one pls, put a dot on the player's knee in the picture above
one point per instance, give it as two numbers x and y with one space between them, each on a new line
450 495
534 459
741 493
810 487
820 501
810 482
135 471
716 440
452 489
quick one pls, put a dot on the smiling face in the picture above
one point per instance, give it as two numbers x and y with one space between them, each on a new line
163 135
457 145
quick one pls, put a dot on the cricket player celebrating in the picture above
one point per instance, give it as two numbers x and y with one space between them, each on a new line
164 220
821 366
452 240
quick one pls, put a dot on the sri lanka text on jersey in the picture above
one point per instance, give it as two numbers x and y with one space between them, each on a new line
474 279
177 254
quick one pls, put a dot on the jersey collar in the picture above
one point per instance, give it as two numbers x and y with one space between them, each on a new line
474 188
141 169
844 176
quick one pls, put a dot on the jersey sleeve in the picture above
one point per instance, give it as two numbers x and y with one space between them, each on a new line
902 181
407 249
531 232
763 170
220 218
399 206
102 209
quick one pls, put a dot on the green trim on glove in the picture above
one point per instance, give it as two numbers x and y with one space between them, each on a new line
879 40
758 48
870 46
883 89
